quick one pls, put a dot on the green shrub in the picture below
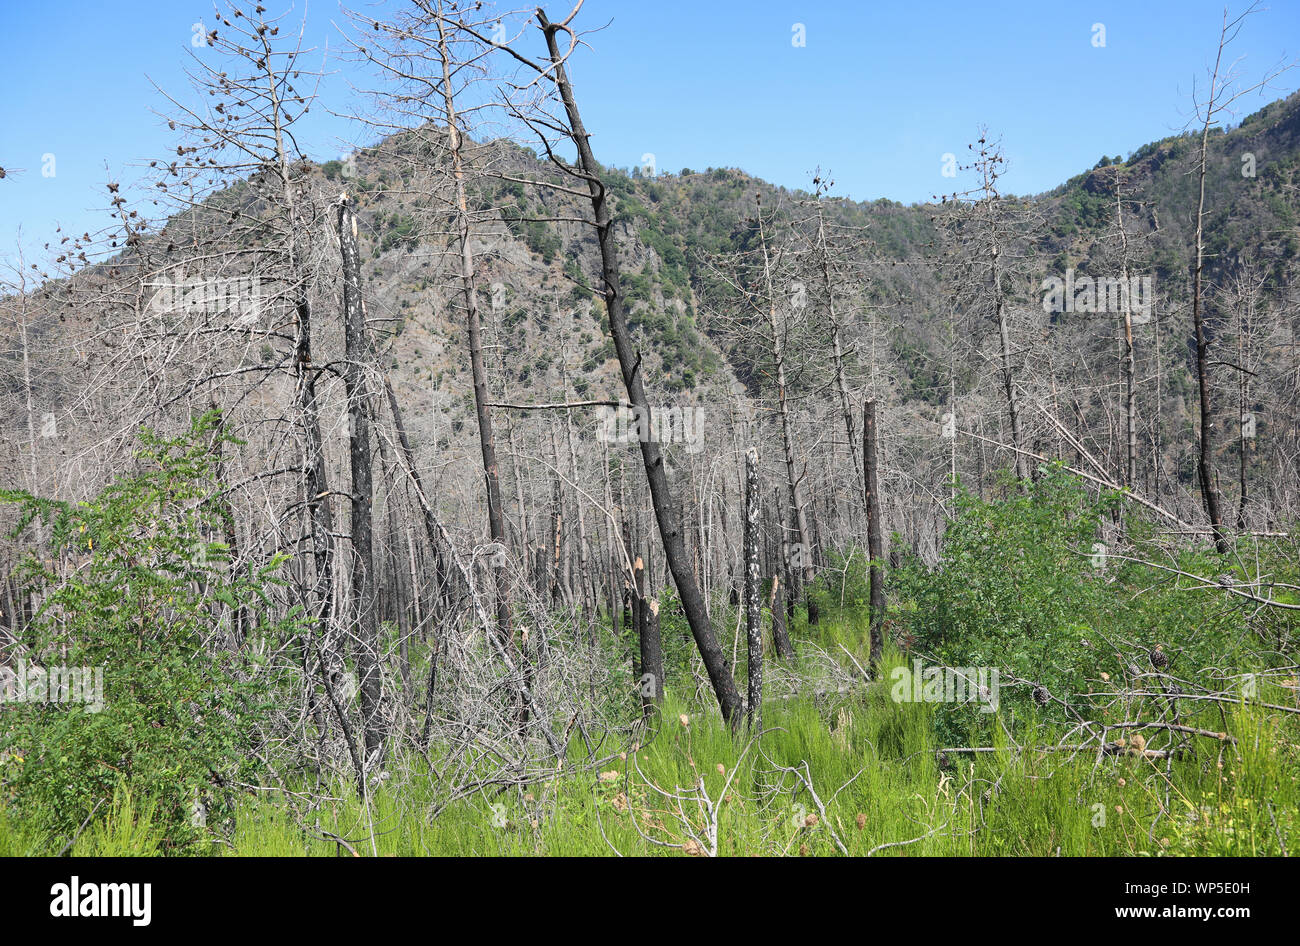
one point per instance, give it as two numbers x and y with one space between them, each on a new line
147 605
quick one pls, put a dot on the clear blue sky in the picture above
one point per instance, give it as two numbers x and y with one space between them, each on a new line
878 94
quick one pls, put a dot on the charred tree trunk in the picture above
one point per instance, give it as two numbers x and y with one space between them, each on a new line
875 547
320 602
356 352
646 610
1243 403
670 530
1205 449
1130 367
753 600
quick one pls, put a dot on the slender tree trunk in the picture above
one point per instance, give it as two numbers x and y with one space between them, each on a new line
1243 401
316 495
837 348
314 481
587 599
804 554
1130 370
1008 374
715 661
753 601
875 547
356 355
646 610
1205 451
469 295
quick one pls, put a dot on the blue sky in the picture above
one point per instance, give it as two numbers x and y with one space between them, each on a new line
878 94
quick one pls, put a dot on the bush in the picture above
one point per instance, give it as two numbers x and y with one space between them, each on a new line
146 606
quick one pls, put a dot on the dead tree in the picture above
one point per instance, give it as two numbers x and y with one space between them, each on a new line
1219 100
763 326
428 59
753 600
1129 361
875 547
271 230
798 506
826 266
666 514
987 222
357 359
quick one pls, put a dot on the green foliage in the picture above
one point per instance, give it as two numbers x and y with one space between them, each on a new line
1014 588
877 765
541 239
400 232
1023 584
145 603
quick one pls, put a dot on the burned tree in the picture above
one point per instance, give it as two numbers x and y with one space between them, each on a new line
357 356
666 514
753 599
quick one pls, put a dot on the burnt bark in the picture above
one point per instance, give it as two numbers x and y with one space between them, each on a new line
753 601
670 529
875 548
652 653
356 352
1205 448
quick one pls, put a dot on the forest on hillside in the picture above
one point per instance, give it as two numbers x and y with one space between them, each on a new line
466 495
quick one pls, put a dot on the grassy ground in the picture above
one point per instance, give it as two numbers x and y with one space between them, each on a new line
853 772
877 782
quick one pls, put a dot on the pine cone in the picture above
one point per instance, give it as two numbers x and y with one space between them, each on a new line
1041 696
1158 658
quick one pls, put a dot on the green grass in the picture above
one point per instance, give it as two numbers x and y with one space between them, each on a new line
880 788
895 792
874 767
